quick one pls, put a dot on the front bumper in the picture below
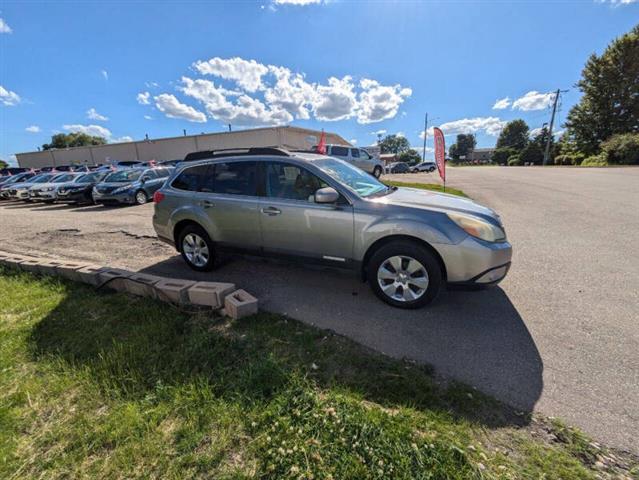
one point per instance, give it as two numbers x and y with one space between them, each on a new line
476 262
70 196
41 195
124 197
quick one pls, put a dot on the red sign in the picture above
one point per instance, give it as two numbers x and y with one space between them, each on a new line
321 146
440 153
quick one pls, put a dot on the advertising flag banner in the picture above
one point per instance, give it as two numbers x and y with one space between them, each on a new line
440 153
321 146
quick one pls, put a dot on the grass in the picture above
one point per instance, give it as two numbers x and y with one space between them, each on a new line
104 385
427 186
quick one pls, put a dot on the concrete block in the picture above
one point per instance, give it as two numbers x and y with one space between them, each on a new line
173 290
210 294
14 261
47 266
69 270
90 274
30 265
114 278
142 285
240 304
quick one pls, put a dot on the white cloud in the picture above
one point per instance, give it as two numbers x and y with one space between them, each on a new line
148 117
172 108
94 130
92 114
247 73
335 101
298 2
123 139
400 134
8 98
143 98
152 84
379 102
534 100
104 74
291 92
501 104
379 132
353 141
618 2
33 129
489 125
4 27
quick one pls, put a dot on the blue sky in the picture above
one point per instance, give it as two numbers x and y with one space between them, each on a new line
126 69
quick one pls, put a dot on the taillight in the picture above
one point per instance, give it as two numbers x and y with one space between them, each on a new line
158 196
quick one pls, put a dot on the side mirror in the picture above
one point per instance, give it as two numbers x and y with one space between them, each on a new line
144 179
326 195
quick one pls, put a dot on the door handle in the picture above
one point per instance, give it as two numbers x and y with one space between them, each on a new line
207 204
271 211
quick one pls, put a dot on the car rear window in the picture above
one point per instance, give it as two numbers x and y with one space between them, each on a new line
232 178
340 151
191 179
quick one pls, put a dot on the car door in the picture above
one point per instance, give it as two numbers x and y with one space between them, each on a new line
293 224
152 181
229 197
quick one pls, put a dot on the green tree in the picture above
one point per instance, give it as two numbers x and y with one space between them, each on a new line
394 144
610 101
3 164
622 149
463 147
501 155
73 139
540 140
410 156
532 153
514 135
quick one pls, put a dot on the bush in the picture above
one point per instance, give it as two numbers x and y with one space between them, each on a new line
595 161
514 160
501 155
569 159
622 149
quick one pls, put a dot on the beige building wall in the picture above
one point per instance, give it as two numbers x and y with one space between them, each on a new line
177 147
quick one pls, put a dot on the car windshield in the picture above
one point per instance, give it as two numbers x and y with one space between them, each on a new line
90 178
362 183
65 177
123 176
41 178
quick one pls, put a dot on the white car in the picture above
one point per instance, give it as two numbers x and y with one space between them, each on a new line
358 157
424 167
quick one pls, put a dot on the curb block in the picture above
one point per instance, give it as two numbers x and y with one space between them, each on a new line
210 294
90 274
70 270
14 261
115 277
47 267
240 304
174 290
31 265
143 285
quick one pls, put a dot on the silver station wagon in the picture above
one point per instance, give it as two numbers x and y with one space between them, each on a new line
407 243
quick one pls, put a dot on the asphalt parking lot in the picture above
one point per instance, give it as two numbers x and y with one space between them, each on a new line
560 335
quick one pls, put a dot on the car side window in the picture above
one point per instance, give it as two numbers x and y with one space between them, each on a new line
355 152
191 179
232 178
339 151
290 182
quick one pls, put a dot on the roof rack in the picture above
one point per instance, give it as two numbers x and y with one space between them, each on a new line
236 152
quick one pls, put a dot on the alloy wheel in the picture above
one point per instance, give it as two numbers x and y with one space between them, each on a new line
140 197
402 278
196 250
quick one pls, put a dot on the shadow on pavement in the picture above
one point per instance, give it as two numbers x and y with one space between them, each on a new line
476 337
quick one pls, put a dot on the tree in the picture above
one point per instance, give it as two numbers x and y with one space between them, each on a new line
622 149
610 101
514 135
73 139
463 147
532 154
540 140
501 155
410 156
3 164
394 144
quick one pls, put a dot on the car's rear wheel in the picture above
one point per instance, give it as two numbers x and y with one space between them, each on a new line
197 248
404 274
140 197
377 172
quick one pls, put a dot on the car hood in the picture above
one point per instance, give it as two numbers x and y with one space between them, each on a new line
40 186
430 200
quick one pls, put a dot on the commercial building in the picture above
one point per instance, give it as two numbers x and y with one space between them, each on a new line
176 148
481 155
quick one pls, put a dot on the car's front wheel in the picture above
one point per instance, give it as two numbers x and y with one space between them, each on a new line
140 197
404 274
377 172
197 248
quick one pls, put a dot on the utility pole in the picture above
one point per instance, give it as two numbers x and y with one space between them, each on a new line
425 133
552 122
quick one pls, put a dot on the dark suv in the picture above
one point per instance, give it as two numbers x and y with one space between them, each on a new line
130 185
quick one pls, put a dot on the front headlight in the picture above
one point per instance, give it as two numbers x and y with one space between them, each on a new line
478 228
122 189
48 189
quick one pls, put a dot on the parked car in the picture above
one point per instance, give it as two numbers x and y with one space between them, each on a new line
15 179
80 190
406 242
20 191
120 165
358 157
13 170
423 167
398 167
48 192
131 185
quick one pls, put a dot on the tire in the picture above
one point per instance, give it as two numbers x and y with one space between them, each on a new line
201 258
377 172
414 284
141 197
